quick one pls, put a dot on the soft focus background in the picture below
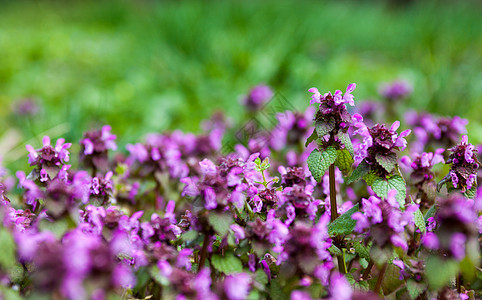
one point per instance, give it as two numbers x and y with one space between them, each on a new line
144 66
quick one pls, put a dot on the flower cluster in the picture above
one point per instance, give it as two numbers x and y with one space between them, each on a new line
396 90
95 145
463 172
257 97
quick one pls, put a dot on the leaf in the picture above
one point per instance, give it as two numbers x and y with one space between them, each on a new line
323 128
361 170
346 141
370 178
190 235
419 220
7 244
391 279
9 294
261 277
470 194
275 291
344 224
362 250
414 289
344 160
388 162
334 250
311 138
220 222
228 264
381 187
439 271
430 213
318 162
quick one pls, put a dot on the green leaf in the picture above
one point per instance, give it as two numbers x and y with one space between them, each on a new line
430 213
346 141
318 162
370 178
381 187
261 277
312 137
414 289
388 162
9 294
439 271
7 244
190 235
323 128
344 224
361 170
344 160
419 220
470 194
220 222
362 250
391 279
275 290
335 250
228 264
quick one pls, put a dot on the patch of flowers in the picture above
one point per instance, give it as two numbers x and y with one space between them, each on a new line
326 204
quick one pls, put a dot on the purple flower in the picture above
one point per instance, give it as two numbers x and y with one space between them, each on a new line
258 96
237 286
463 172
395 90
340 289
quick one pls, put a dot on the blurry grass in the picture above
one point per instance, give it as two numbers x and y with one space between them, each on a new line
146 66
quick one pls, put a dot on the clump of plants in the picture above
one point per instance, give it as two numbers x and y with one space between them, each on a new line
324 204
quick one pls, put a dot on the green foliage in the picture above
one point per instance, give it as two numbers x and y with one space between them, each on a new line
228 264
362 250
7 244
391 280
318 162
470 194
311 138
439 271
388 162
346 141
361 170
414 289
430 213
419 220
344 161
275 291
220 222
323 128
382 186
344 224
190 235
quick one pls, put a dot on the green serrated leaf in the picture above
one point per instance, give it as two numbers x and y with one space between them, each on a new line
388 162
382 186
311 138
344 160
228 264
430 213
362 250
346 141
439 271
220 222
344 224
370 178
470 194
275 290
323 128
419 220
391 279
335 250
318 162
7 244
361 170
190 235
261 277
414 289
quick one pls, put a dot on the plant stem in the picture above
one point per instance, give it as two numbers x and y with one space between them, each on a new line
334 211
367 270
341 263
204 252
378 286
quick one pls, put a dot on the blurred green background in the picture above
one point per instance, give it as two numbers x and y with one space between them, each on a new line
144 66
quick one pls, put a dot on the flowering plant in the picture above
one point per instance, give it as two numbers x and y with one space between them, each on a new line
173 218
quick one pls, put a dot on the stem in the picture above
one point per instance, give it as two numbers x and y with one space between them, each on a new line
334 211
378 286
458 283
204 252
367 270
341 263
